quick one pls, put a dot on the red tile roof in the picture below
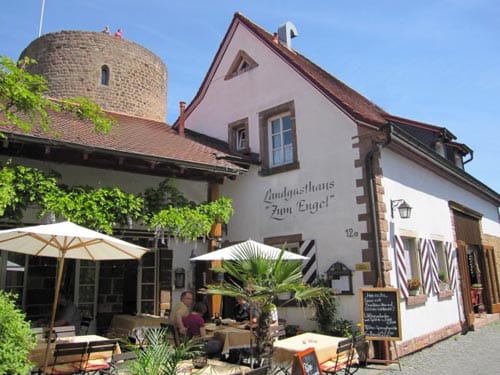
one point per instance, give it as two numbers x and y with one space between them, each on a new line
345 97
140 137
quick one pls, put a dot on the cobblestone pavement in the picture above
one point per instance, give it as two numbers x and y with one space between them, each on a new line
476 352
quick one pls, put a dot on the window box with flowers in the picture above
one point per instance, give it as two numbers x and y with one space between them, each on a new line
414 287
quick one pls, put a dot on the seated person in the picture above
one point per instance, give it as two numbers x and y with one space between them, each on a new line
242 311
195 325
181 310
67 314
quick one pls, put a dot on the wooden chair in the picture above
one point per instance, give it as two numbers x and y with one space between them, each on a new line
69 358
96 365
85 325
65 331
256 371
137 336
358 342
278 332
119 363
172 334
342 361
39 333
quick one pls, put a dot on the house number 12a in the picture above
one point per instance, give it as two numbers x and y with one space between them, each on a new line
349 232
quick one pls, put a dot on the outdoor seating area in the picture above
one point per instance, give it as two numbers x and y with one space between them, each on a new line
72 354
69 353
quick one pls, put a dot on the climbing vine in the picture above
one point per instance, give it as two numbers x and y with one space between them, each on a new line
162 209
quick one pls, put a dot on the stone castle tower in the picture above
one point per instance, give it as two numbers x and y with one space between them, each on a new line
118 74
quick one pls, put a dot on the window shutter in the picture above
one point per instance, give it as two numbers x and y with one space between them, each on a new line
401 266
310 271
451 264
423 248
431 250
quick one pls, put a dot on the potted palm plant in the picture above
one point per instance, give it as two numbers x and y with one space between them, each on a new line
259 280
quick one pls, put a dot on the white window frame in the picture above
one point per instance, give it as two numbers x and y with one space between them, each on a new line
281 134
412 258
241 135
441 257
141 284
19 289
96 266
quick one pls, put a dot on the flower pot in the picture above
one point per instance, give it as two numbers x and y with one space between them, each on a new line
444 285
414 292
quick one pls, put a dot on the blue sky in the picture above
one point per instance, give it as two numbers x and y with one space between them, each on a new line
435 61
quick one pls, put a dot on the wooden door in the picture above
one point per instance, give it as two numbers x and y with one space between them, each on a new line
463 270
491 283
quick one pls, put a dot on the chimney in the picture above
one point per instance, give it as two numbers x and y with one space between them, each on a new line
275 38
182 108
286 32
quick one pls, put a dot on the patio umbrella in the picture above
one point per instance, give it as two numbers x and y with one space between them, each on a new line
66 240
265 251
14 267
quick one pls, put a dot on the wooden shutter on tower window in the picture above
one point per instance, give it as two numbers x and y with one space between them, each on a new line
465 284
491 280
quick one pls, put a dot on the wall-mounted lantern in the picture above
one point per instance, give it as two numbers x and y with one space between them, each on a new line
179 278
404 208
340 278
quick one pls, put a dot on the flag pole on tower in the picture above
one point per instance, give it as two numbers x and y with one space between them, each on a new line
41 19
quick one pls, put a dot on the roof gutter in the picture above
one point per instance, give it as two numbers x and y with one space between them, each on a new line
409 143
180 163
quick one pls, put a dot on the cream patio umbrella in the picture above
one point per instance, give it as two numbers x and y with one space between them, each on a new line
66 240
263 250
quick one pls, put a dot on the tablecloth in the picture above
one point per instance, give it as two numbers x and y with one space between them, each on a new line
325 347
121 325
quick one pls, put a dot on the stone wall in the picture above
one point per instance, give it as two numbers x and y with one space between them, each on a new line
72 62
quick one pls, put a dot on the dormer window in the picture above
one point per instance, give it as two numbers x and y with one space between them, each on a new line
241 139
242 63
105 75
459 161
238 136
439 147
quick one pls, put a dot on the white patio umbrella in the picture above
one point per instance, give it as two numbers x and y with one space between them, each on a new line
263 250
66 240
14 267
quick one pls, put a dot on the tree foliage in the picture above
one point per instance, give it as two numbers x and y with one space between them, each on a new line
16 338
24 103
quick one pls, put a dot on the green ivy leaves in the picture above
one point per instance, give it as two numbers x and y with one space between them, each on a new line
102 209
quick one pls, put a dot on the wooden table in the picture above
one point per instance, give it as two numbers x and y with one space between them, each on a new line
325 347
37 354
213 367
122 324
233 338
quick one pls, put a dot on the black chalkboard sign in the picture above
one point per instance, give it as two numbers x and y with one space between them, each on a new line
306 363
380 316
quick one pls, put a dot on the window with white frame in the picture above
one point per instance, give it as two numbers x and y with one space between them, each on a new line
86 287
441 259
278 139
238 136
13 274
412 258
146 279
